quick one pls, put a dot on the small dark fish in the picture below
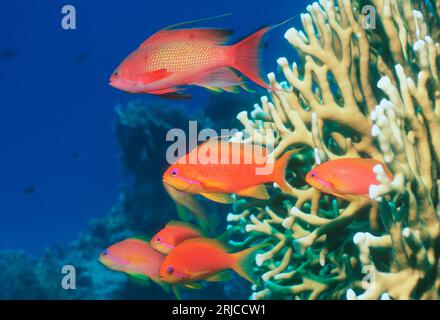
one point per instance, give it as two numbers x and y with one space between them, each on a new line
29 190
81 57
7 54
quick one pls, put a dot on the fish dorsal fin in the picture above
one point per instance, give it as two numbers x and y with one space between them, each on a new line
224 275
174 26
214 35
259 192
223 36
219 197
142 238
177 223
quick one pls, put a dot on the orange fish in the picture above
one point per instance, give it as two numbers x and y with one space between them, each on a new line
216 169
206 259
174 233
136 258
346 178
172 58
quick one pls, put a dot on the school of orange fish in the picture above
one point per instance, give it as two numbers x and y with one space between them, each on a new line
182 254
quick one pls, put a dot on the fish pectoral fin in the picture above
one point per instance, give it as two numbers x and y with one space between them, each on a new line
163 285
176 96
259 192
171 93
152 76
176 292
223 78
219 197
139 279
224 275
193 285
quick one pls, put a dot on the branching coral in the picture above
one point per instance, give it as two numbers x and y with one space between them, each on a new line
368 90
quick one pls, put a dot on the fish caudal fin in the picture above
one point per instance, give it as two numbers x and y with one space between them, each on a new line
280 171
244 261
246 57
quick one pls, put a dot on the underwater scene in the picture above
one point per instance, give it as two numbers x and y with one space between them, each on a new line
227 150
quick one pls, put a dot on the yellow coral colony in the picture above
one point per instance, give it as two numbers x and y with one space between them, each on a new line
359 91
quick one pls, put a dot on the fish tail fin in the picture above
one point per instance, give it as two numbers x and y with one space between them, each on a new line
246 57
280 170
244 261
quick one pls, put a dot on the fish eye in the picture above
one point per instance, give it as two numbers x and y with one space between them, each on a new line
158 239
170 270
117 73
174 172
105 253
313 175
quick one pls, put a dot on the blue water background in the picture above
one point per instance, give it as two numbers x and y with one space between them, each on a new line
59 163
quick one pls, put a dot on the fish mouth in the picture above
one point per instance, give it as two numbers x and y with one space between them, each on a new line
124 85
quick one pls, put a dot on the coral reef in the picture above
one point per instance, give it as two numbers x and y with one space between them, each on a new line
367 86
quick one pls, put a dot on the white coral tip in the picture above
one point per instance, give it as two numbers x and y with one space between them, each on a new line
316 6
384 82
317 156
399 69
385 296
242 115
271 77
406 232
375 131
282 62
351 295
294 211
291 33
417 14
419 45
249 228
386 104
358 237
378 169
287 223
373 191
322 261
275 185
259 260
